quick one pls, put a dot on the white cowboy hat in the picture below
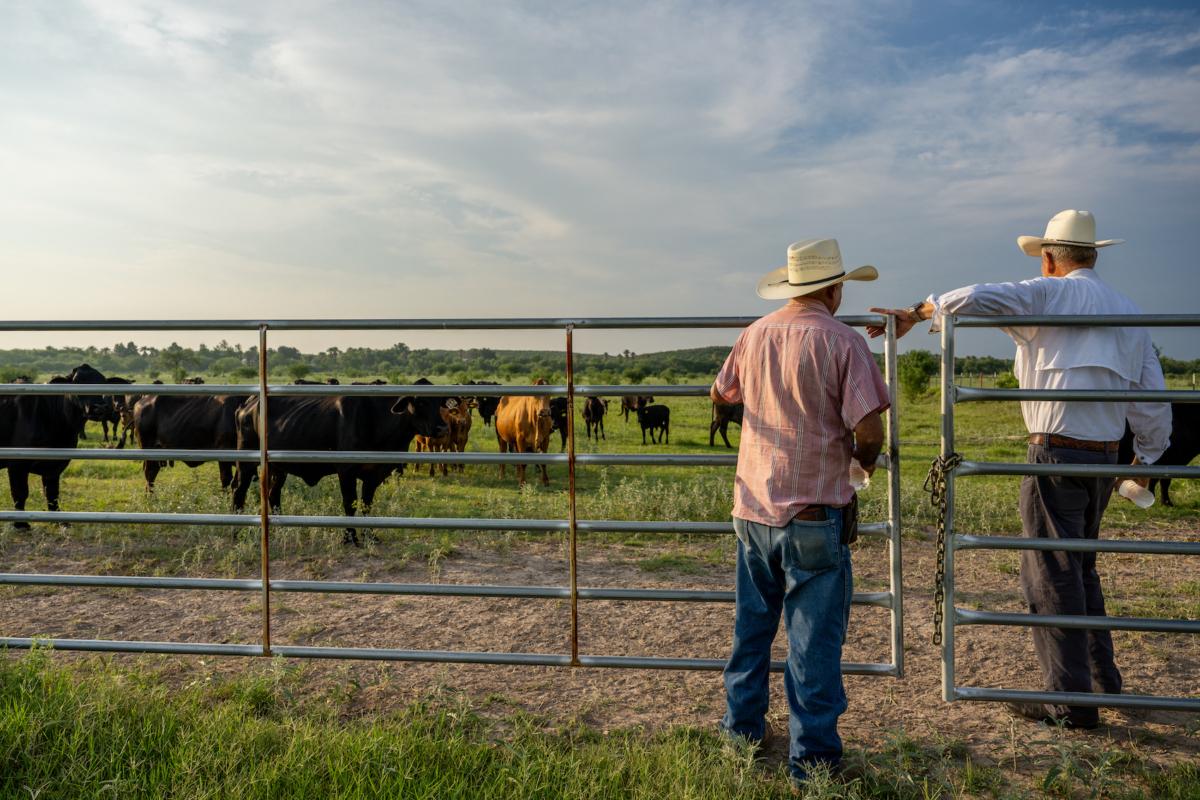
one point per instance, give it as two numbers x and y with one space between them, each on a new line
1070 227
812 265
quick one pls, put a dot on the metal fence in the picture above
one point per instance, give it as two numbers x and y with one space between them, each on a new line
266 586
954 616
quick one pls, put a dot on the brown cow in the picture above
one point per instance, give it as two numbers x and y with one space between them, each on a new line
457 416
523 425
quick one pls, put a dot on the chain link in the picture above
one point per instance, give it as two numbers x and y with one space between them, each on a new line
935 487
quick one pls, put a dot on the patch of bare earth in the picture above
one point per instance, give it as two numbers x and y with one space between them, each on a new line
618 698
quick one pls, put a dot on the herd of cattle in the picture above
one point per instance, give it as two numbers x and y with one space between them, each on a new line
231 422
387 423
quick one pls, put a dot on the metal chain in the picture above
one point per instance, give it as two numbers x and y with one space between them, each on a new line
935 487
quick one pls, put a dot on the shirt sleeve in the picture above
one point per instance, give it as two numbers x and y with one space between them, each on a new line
1150 422
984 299
863 389
728 384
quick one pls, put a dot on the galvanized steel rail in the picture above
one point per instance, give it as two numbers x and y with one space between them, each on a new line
954 616
572 526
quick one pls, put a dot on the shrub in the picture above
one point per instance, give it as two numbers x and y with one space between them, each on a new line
1007 380
914 370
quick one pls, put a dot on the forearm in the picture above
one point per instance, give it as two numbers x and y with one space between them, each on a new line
868 441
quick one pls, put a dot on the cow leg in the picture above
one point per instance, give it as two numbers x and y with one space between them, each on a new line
644 435
150 470
51 486
712 432
349 486
18 485
725 434
225 470
243 476
1165 483
600 424
275 495
370 484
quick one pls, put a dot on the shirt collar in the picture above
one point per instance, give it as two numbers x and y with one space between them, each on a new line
1084 272
808 305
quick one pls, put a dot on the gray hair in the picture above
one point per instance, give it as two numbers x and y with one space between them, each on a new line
1071 254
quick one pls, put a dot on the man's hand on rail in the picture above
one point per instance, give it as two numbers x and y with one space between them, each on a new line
906 318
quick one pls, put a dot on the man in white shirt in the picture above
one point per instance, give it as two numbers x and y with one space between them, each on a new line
1058 582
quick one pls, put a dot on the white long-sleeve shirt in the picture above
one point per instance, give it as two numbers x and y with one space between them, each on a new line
1074 358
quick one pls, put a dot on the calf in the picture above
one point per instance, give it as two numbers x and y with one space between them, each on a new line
722 415
655 418
593 416
632 403
558 419
1184 446
457 416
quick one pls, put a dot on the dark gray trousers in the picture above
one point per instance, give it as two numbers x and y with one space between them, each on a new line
1057 582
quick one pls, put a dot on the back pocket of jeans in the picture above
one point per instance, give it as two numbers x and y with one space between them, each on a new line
813 546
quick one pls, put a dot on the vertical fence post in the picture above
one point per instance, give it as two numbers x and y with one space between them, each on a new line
572 517
264 491
948 693
893 499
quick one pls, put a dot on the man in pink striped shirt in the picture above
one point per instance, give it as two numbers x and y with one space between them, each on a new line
813 396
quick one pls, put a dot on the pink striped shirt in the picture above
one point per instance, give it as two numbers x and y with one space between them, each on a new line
807 380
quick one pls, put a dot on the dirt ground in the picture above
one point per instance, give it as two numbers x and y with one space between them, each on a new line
617 698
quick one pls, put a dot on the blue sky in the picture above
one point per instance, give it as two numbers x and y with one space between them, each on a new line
435 159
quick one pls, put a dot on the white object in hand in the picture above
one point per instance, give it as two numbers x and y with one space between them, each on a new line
1136 494
859 479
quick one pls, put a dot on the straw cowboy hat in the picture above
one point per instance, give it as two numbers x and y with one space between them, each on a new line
812 265
1070 227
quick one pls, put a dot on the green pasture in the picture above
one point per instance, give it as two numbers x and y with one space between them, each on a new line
105 729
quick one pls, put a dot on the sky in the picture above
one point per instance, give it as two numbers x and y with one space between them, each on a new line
175 160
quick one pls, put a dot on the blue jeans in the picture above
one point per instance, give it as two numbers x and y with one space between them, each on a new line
804 572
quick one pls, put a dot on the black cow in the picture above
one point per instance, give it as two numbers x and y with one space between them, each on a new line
593 416
119 413
655 418
29 421
558 416
486 405
335 423
1185 444
632 403
722 415
179 422
326 382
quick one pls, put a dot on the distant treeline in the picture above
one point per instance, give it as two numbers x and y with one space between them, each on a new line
401 364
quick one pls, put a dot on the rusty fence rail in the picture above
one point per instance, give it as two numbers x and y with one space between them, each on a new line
266 585
955 541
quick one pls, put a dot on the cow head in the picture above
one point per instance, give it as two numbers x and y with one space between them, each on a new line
426 412
91 406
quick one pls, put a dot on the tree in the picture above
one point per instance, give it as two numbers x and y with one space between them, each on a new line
914 370
298 370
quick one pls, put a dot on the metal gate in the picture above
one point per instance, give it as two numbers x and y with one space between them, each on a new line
954 616
266 586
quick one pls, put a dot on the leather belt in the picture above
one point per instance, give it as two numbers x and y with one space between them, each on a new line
812 514
1055 440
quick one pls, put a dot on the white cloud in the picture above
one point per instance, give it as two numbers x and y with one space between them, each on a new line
581 158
